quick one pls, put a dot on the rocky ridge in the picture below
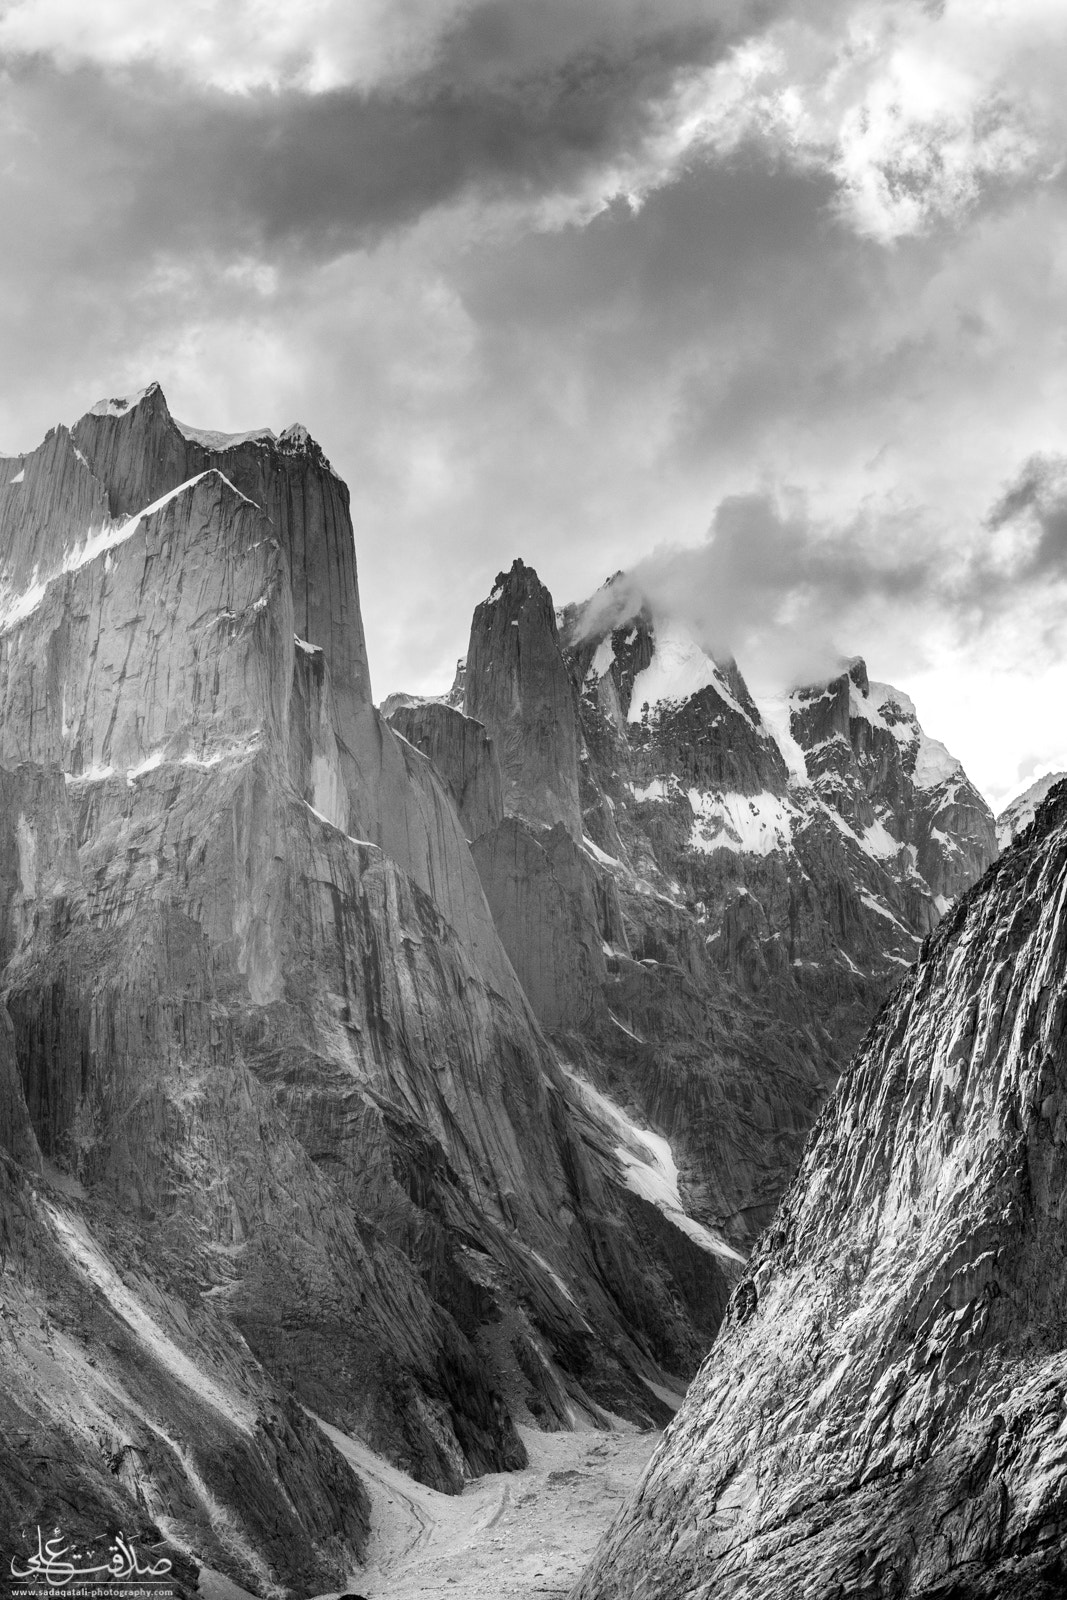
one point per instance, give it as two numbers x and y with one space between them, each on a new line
282 1137
882 1413
743 888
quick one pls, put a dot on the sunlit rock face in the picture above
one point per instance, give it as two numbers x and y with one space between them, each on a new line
748 883
882 1413
282 1136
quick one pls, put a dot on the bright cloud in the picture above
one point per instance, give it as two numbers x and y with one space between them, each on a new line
239 45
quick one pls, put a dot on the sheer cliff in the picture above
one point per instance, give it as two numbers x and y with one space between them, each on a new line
743 884
882 1413
282 1137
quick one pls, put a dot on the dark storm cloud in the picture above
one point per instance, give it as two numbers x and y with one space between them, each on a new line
506 109
1036 502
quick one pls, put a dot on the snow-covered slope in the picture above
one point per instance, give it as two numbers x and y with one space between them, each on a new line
836 788
1020 812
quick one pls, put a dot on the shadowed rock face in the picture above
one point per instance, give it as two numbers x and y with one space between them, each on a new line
543 893
462 752
281 1133
517 685
882 1412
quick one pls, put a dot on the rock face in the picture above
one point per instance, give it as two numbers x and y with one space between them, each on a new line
883 1411
518 687
282 1137
1021 812
463 754
748 883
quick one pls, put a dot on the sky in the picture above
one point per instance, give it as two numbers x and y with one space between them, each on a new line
760 300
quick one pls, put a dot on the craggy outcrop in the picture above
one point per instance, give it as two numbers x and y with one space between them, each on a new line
868 759
883 1410
748 885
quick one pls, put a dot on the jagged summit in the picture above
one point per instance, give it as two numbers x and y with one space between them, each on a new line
732 886
1020 812
119 405
152 401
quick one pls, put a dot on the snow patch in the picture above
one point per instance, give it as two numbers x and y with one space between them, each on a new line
605 655
211 439
650 1170
679 669
774 713
119 405
896 711
19 476
16 608
364 844
149 764
882 910
89 775
94 1265
879 842
1022 810
755 824
876 841
98 542
933 763
599 855
657 789
629 1032
883 696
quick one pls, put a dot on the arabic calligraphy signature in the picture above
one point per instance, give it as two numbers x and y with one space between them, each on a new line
52 1562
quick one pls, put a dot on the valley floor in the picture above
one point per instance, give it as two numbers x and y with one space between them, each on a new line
510 1536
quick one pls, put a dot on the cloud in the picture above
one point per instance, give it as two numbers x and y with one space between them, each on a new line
920 112
559 106
773 588
1034 509
239 45
790 597
558 279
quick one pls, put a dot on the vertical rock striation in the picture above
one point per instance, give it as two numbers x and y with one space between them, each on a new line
462 752
517 685
882 1412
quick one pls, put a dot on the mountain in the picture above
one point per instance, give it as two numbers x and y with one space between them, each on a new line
883 1410
705 899
1019 814
281 1137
